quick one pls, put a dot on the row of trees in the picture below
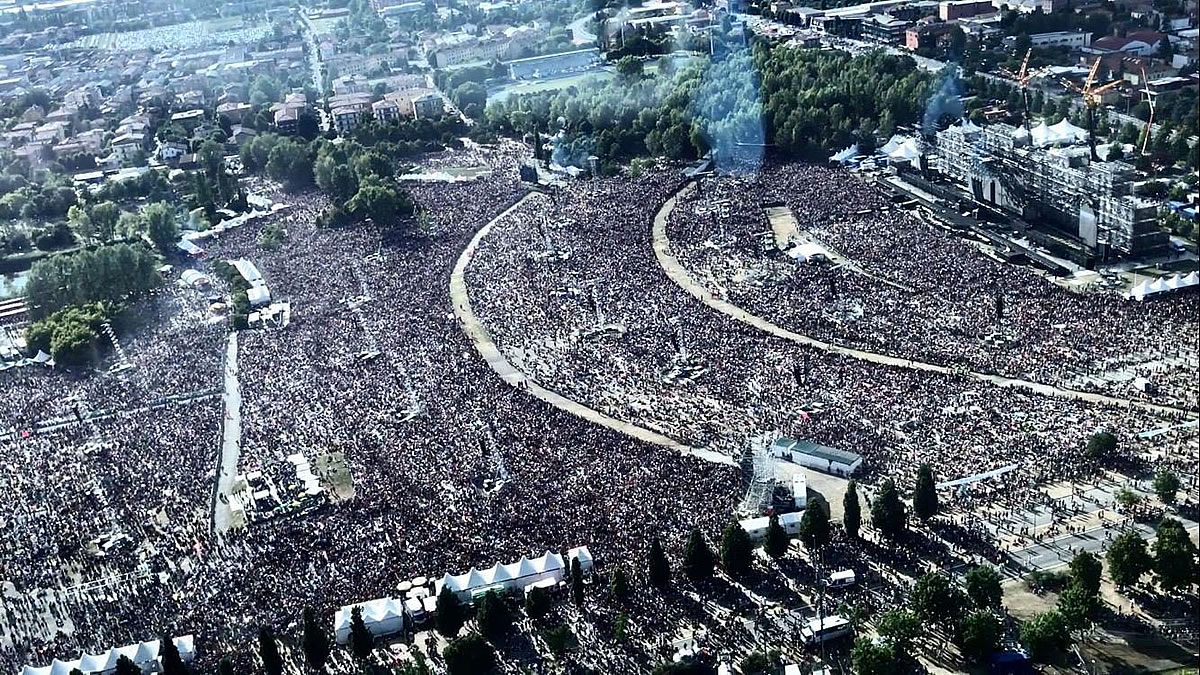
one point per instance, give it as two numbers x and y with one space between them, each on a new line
111 274
803 102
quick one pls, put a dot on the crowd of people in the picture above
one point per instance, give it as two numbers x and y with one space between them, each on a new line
483 474
110 539
571 291
902 286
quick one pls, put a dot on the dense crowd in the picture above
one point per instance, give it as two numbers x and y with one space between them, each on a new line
571 291
903 286
484 474
112 477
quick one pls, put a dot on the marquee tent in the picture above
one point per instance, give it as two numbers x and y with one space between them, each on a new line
845 155
382 616
517 575
1058 134
144 654
1154 287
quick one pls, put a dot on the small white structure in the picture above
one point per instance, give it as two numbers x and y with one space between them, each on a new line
194 278
799 489
143 654
756 528
475 583
819 457
841 579
382 616
808 252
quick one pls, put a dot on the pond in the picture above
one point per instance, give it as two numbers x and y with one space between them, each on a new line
12 285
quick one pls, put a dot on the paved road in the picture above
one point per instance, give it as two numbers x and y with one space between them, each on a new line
678 274
580 35
231 438
510 374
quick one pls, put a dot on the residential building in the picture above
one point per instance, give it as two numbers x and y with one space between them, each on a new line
950 10
925 34
1060 38
1145 43
428 105
885 29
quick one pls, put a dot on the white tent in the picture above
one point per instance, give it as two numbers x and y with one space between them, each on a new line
906 151
968 125
894 142
845 155
258 295
1059 134
194 278
143 654
808 252
382 616
516 575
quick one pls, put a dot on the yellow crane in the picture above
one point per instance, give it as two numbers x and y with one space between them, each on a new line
1022 78
1092 97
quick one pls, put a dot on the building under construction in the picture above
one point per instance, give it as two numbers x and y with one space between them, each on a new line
1043 176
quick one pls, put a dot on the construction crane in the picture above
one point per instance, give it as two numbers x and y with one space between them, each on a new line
1092 96
1150 101
1023 77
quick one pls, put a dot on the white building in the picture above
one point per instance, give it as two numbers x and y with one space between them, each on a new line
819 457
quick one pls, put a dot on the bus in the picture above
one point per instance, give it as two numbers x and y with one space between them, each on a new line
817 631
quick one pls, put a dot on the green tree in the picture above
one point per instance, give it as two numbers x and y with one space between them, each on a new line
1128 559
1174 556
383 205
1127 498
1166 484
814 527
979 636
225 666
560 640
758 663
104 216
1086 571
1046 636
983 587
1102 445
315 641
900 627
1077 606
268 651
621 627
618 586
737 551
777 538
887 511
288 162
126 666
469 655
576 582
658 568
925 499
537 603
168 655
936 600
160 226
362 641
869 658
629 67
493 616
851 510
450 615
698 559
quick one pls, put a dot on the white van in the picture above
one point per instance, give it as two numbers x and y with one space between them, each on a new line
830 628
842 579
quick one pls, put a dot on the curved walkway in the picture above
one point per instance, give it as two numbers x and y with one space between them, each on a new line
676 271
509 373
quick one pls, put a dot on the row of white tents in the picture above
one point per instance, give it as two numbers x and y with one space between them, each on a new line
518 575
144 654
1160 285
388 616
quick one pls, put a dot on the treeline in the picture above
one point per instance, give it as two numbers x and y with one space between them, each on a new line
801 102
113 274
358 174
